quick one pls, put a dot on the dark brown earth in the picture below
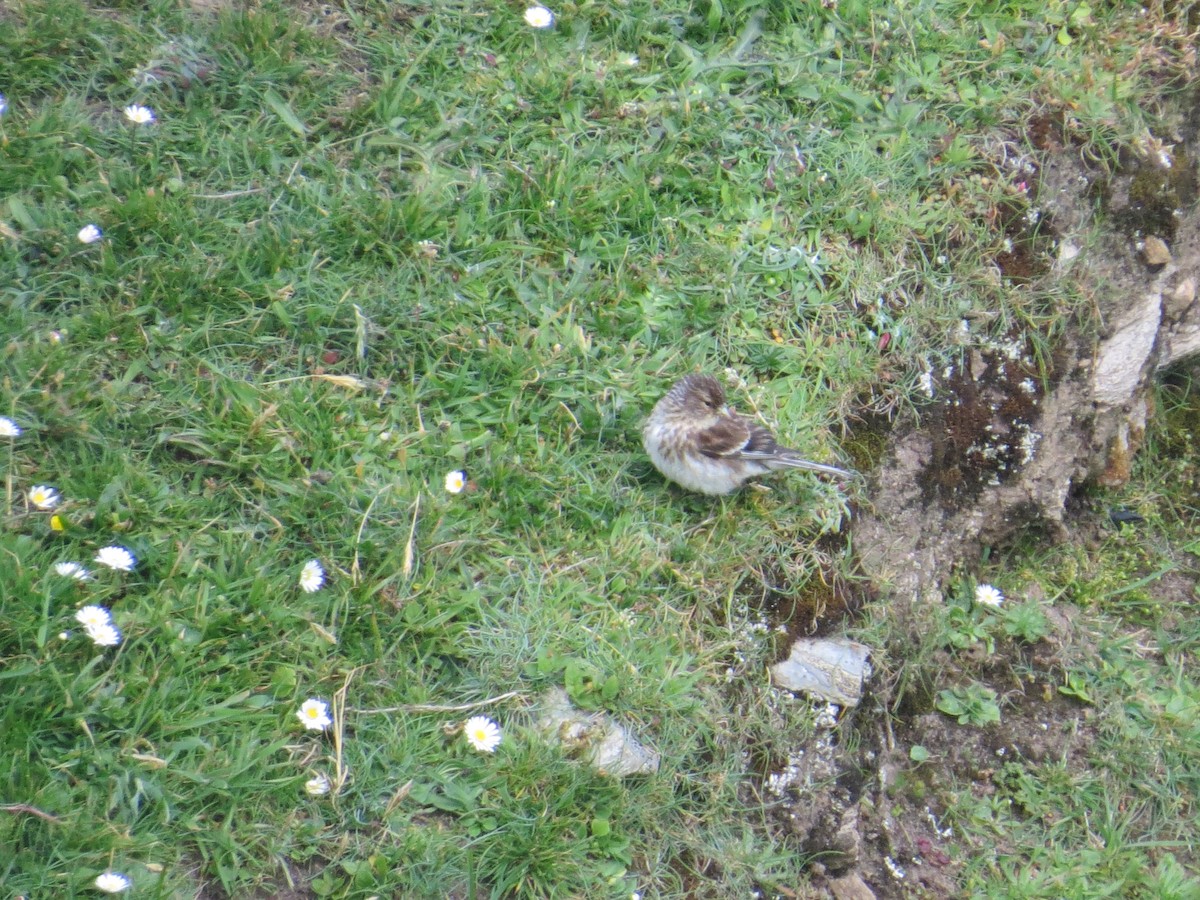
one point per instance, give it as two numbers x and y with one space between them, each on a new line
968 475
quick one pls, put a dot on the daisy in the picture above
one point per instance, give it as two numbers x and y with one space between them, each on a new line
113 882
539 17
72 570
9 428
89 234
314 714
456 481
312 576
116 558
317 785
105 635
986 595
3 104
139 115
482 733
93 617
43 496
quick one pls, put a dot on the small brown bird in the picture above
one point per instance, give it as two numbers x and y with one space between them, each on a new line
697 441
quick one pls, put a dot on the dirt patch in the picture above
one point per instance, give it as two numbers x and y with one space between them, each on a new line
874 807
1012 434
293 885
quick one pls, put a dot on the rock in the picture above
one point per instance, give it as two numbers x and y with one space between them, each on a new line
1155 252
595 738
1123 359
1067 251
828 669
1181 297
847 841
850 887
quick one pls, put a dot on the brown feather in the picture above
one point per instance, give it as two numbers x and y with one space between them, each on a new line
727 437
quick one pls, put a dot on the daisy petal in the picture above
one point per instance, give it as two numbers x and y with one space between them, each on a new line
72 570
116 558
314 714
539 17
91 617
312 577
138 114
43 496
986 595
317 785
456 481
89 234
482 733
112 882
105 635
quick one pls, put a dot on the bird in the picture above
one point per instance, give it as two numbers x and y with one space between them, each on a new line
698 442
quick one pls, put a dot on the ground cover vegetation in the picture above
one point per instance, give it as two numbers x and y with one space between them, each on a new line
390 287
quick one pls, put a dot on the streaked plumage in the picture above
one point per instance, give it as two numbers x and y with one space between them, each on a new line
697 441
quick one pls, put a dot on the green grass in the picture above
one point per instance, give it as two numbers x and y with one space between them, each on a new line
773 189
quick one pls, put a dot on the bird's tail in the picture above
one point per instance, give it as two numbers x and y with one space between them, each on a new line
794 461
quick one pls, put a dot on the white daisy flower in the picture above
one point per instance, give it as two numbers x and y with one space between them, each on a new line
986 595
113 882
314 714
317 785
93 617
138 114
116 558
72 570
482 733
105 635
43 496
3 104
89 234
312 576
9 428
539 17
456 481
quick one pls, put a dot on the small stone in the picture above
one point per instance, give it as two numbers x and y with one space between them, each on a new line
830 669
847 842
593 737
850 887
1155 252
1182 297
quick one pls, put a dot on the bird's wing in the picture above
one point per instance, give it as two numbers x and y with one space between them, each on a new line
735 437
760 444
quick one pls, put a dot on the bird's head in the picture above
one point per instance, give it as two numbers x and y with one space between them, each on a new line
702 397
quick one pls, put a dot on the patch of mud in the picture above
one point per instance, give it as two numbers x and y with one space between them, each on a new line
1009 438
294 885
864 808
984 429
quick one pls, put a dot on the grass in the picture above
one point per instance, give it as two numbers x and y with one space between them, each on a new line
263 362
